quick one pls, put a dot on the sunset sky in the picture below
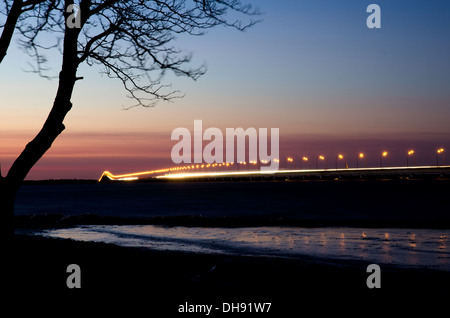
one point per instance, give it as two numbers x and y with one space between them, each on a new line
311 68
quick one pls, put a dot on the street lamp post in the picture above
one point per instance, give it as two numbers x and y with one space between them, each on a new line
383 154
411 152
277 161
440 151
340 157
263 162
306 160
288 159
321 158
361 156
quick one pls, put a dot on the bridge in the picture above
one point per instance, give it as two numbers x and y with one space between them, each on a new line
235 172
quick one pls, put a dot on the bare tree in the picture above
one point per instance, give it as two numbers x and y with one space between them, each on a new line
132 39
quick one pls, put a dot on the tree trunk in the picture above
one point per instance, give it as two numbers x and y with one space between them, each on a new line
7 196
51 129
7 246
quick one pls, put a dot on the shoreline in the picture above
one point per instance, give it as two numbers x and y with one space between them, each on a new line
58 220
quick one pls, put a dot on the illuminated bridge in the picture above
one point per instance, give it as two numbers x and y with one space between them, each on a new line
236 172
252 169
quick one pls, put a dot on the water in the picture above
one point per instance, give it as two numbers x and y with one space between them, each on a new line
332 202
318 200
423 248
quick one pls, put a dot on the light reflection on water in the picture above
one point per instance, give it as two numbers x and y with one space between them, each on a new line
406 247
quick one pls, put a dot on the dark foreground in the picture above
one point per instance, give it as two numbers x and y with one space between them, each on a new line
154 284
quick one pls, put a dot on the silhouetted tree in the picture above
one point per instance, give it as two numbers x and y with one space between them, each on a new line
132 40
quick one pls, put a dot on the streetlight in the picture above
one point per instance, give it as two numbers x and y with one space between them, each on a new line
252 162
321 158
361 156
340 157
278 162
411 152
383 154
306 160
288 159
440 151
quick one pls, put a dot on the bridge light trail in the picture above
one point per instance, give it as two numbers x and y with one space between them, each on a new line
129 179
167 174
226 168
127 176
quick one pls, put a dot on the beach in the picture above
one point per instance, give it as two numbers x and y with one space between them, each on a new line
161 282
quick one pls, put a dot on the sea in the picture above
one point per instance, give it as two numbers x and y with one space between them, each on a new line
333 203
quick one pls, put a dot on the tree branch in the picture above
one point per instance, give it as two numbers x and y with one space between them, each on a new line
9 27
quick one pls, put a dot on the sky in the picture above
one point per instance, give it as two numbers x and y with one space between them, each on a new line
311 68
